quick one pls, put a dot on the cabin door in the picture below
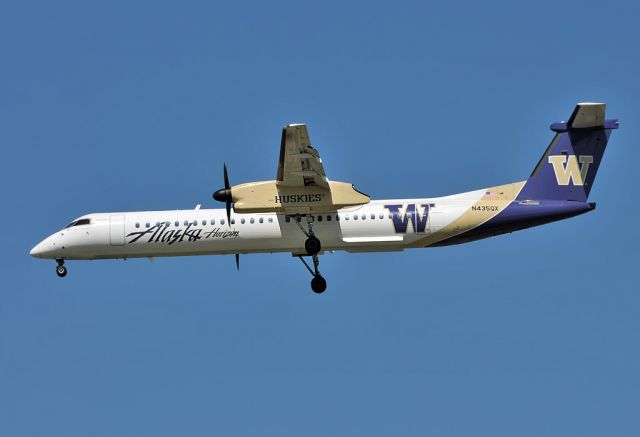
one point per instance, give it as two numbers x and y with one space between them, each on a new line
116 230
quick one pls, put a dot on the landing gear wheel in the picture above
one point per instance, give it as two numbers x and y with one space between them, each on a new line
312 245
61 271
318 284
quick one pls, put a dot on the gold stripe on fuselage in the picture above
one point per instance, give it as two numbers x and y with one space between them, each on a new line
491 204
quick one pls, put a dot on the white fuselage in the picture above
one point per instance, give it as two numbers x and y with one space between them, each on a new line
366 228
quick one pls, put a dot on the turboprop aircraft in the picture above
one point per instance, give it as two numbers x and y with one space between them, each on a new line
306 214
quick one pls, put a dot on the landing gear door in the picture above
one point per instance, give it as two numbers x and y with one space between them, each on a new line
116 230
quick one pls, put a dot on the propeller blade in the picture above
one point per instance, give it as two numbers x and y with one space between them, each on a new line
238 261
224 194
227 187
226 177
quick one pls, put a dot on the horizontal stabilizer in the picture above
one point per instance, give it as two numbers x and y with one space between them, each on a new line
587 116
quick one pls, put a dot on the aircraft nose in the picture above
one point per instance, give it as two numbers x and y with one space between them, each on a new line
44 249
38 250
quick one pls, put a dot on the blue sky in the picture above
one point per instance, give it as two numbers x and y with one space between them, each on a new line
111 106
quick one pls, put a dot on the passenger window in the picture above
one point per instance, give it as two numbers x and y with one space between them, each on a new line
222 221
177 223
213 221
261 220
298 219
390 216
251 220
233 221
364 216
373 216
147 224
137 224
355 216
204 223
319 218
381 216
328 218
337 218
270 219
242 221
346 217
195 223
287 219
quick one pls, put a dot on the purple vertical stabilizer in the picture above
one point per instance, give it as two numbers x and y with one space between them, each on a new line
568 167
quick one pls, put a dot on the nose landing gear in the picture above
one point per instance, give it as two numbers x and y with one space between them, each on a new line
318 283
61 270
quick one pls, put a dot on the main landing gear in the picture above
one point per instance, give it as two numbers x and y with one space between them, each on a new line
61 270
318 283
312 245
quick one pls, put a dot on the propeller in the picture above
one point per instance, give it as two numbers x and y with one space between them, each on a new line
224 195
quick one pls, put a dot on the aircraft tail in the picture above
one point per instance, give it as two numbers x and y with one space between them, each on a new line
568 167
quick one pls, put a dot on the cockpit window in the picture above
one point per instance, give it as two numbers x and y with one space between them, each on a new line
84 221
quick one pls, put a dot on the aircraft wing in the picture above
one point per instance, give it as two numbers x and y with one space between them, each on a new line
300 164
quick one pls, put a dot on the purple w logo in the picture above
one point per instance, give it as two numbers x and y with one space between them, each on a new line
401 221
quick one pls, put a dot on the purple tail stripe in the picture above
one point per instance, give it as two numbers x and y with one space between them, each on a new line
519 216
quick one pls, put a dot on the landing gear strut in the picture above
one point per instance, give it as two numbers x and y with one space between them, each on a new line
312 245
318 283
61 270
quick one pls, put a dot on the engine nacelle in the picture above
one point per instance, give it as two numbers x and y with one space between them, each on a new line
271 196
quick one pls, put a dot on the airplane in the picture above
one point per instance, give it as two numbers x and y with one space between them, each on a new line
306 214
